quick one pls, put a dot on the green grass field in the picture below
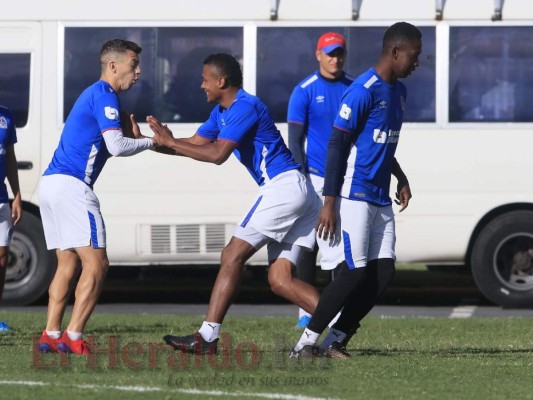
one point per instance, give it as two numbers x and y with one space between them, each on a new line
402 358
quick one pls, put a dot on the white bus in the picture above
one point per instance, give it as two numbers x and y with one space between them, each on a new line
466 144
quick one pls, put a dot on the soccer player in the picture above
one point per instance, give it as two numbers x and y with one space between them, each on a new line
9 215
282 216
312 109
362 146
70 211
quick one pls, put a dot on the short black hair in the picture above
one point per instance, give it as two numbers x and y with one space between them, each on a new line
227 66
119 46
399 33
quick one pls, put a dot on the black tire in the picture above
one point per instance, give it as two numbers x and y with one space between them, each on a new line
502 260
31 266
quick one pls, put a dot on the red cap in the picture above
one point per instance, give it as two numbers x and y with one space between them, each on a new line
331 41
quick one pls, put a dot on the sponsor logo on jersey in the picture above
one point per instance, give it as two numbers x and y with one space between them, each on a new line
357 194
112 113
384 137
345 112
320 99
402 103
3 122
382 104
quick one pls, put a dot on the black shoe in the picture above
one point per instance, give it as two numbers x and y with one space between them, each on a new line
308 351
337 350
194 343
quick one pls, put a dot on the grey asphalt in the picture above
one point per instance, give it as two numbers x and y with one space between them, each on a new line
253 310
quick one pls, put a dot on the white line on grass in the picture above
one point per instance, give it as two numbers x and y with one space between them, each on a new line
24 383
463 312
157 389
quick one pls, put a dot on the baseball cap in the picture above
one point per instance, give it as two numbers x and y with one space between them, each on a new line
330 41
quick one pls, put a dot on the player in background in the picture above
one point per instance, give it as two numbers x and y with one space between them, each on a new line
9 215
70 211
312 109
284 213
358 208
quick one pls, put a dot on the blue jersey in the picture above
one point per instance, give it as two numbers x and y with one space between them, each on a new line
8 137
373 110
248 123
314 103
82 152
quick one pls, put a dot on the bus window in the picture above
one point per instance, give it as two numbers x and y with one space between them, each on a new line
281 65
491 71
15 85
171 67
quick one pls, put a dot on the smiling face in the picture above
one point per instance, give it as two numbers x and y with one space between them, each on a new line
212 83
331 64
127 70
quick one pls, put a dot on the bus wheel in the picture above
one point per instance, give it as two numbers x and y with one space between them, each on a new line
31 266
502 260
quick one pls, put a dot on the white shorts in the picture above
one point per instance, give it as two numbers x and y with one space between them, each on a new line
70 212
332 253
275 250
318 184
368 232
285 210
6 225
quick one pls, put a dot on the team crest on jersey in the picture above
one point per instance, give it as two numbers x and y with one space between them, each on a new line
3 122
345 112
382 104
402 102
320 99
112 113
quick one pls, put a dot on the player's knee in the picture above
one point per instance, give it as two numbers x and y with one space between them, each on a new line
230 258
104 264
3 257
278 281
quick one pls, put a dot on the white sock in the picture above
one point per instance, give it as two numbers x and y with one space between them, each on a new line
334 335
209 330
74 335
303 313
54 334
332 322
308 338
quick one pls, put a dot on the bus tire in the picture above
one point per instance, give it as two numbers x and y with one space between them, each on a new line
502 260
31 266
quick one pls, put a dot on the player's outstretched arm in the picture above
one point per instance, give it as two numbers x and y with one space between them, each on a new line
196 147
